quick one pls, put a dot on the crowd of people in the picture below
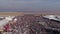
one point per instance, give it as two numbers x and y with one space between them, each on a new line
29 24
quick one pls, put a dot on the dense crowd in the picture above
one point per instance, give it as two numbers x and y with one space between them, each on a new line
30 24
27 24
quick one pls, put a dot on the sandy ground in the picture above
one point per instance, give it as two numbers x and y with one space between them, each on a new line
10 13
22 13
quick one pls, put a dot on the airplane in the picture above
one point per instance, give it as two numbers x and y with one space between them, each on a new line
53 17
5 20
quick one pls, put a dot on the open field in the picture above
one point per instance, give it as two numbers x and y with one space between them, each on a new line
22 13
10 13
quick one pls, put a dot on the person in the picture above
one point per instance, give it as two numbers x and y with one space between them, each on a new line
6 28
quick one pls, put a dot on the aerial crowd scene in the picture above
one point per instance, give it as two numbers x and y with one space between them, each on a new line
31 24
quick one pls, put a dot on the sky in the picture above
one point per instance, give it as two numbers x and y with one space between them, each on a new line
29 5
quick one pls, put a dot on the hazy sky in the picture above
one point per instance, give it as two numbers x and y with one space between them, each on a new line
29 5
